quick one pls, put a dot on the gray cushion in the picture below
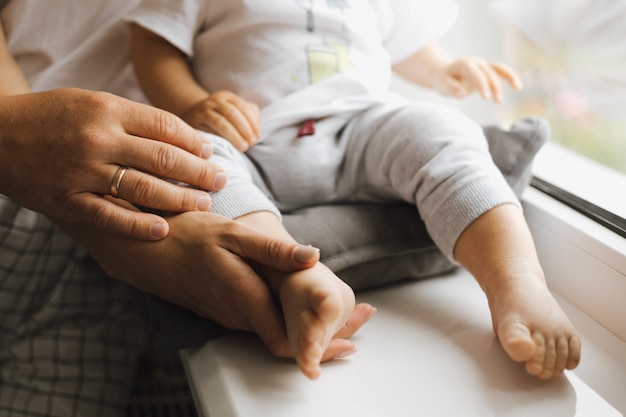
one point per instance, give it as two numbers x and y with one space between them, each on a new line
369 245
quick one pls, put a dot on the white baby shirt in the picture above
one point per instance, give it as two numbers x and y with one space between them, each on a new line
298 59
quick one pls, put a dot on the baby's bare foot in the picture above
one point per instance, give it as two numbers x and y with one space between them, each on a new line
533 329
316 304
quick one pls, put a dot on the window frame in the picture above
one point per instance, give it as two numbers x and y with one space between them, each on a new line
584 262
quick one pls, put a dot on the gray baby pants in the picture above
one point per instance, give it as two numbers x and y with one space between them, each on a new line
424 153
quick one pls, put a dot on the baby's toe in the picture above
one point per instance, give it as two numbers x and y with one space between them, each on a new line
575 348
516 341
535 365
562 355
549 360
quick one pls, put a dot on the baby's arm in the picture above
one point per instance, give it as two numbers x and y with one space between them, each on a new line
432 67
12 80
167 81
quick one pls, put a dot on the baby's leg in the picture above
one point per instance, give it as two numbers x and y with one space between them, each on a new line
316 303
498 250
438 159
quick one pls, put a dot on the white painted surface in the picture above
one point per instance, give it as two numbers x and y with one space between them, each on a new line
429 351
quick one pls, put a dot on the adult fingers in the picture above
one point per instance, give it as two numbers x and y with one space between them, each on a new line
363 312
255 309
276 341
339 345
278 254
167 161
275 336
152 123
338 348
110 217
148 191
159 143
267 322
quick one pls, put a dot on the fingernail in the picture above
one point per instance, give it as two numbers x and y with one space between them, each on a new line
370 315
207 150
220 180
305 253
346 353
203 203
158 230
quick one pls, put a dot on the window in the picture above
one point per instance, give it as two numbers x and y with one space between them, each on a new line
571 56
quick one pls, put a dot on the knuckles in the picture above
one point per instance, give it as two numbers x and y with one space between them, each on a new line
165 160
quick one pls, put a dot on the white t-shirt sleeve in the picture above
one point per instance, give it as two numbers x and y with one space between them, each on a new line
417 23
175 21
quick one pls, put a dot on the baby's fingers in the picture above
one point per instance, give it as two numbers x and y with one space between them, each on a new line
484 79
243 115
253 116
508 74
217 123
453 86
494 85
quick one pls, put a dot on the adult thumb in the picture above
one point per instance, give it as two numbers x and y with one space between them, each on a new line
281 255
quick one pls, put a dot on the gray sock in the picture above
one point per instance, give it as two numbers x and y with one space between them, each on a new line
513 150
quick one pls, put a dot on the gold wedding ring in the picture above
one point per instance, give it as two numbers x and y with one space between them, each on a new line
117 180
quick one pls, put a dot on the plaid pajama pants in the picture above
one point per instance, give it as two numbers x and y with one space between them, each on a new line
69 335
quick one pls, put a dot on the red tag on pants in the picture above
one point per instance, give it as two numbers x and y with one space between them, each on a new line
307 128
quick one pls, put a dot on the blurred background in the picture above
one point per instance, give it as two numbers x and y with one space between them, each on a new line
571 55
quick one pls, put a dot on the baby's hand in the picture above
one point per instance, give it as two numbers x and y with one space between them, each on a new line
227 115
466 75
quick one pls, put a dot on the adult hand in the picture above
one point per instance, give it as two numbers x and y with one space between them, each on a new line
466 75
227 115
202 265
61 151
